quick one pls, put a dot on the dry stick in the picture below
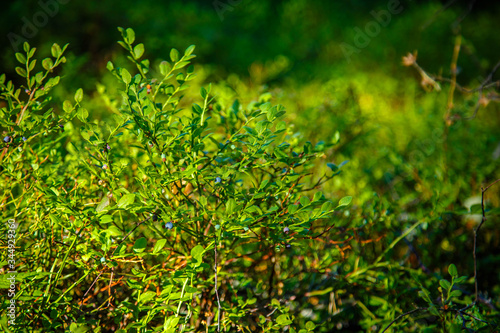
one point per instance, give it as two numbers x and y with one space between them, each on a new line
476 231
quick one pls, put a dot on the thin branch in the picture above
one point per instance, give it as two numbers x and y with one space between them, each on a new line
476 231
216 289
401 316
482 86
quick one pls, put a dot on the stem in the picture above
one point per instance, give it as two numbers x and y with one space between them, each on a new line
182 295
216 290
476 231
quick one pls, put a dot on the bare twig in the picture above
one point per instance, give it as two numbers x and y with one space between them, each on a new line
428 22
401 316
483 85
476 231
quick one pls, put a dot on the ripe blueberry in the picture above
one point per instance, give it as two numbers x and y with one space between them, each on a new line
169 225
155 217
103 260
218 180
6 139
286 230
288 246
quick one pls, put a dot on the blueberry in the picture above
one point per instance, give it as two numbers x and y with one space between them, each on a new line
218 180
155 217
24 138
108 147
169 225
288 246
286 230
6 139
103 260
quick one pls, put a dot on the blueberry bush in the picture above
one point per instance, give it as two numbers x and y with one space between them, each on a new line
163 217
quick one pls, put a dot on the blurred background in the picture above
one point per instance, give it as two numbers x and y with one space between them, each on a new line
268 41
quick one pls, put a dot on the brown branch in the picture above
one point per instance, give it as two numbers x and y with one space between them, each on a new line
476 231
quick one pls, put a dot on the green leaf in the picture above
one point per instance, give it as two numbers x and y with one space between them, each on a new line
21 58
55 50
126 77
67 106
47 63
21 71
455 293
230 206
140 245
304 201
444 283
283 320
106 219
425 295
110 66
317 196
174 55
79 95
197 254
452 269
102 205
344 201
126 200
327 206
191 290
82 114
159 245
292 209
165 68
138 51
320 292
129 36
189 50
310 326
32 65
147 296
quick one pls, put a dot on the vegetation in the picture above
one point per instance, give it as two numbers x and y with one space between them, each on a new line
153 193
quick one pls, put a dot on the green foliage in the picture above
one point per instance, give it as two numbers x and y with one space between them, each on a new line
150 200
91 198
